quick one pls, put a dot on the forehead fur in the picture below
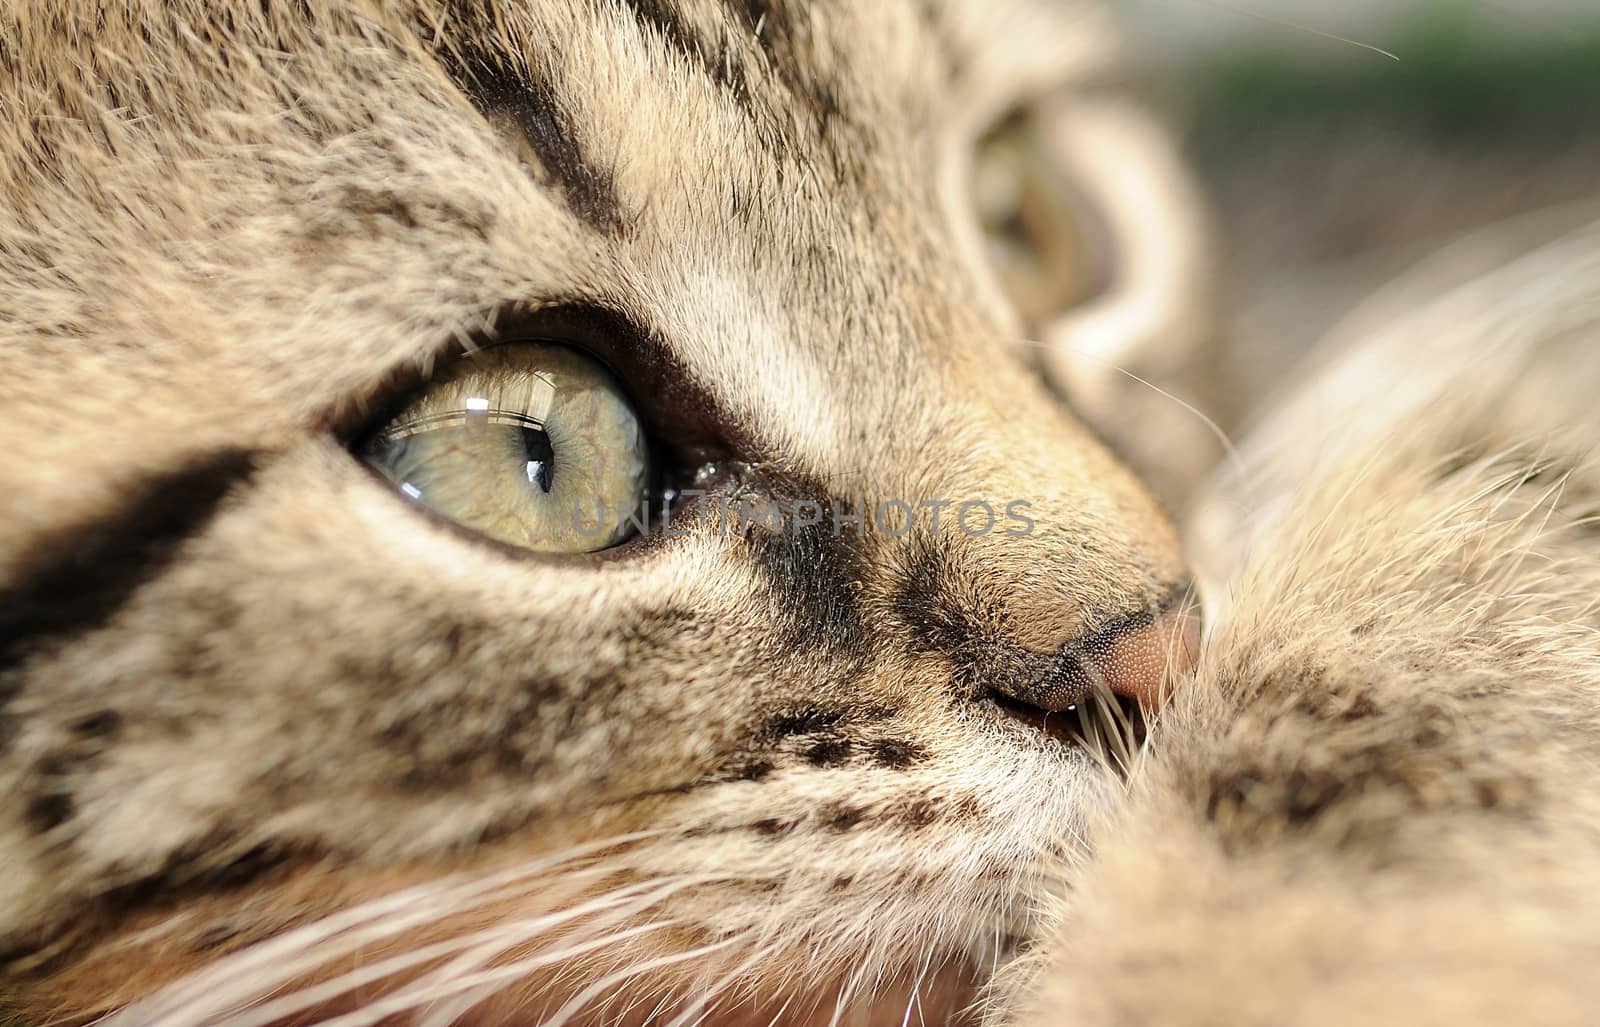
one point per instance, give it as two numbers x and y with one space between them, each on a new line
258 183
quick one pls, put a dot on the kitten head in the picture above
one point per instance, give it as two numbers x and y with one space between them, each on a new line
821 723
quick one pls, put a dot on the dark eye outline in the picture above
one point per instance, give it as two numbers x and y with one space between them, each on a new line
682 424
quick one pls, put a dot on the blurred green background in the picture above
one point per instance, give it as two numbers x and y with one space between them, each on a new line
1333 168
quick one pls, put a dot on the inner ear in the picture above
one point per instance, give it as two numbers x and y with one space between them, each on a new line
1157 307
1047 244
1138 361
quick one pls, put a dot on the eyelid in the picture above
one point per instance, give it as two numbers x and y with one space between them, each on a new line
476 406
682 416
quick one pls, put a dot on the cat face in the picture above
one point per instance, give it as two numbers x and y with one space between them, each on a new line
249 682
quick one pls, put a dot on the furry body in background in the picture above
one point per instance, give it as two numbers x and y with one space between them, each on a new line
1378 804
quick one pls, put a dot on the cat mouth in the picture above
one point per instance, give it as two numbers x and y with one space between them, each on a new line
1112 726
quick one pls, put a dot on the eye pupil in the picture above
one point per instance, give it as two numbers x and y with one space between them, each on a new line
541 458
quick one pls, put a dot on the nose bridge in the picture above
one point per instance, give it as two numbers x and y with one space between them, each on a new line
996 443
1051 574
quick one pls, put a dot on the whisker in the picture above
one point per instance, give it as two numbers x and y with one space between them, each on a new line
1268 19
584 997
402 1001
685 1017
1205 419
523 929
232 983
634 898
781 1010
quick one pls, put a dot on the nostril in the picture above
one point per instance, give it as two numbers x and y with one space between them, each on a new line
1137 660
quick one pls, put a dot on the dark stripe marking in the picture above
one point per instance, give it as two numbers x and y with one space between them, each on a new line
897 754
842 818
915 813
718 63
784 37
829 752
815 577
190 872
808 721
88 571
532 106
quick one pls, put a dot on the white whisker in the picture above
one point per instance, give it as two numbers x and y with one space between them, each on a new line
1268 19
207 996
502 935
408 999
712 993
599 987
1205 419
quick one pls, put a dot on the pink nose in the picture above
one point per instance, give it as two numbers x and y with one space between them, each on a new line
1140 658
1146 661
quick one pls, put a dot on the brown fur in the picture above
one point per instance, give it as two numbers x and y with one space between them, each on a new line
263 725
243 672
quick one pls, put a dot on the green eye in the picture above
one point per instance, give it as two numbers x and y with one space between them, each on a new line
531 444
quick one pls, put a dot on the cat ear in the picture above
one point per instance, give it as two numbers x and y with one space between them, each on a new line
1155 320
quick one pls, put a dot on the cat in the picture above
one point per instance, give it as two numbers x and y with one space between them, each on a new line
542 512
338 334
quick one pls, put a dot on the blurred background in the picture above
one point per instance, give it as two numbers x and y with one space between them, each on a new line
1333 167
